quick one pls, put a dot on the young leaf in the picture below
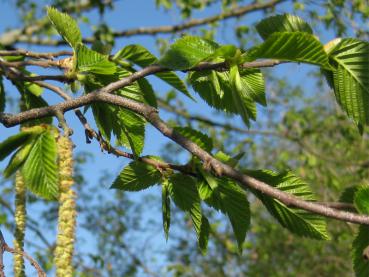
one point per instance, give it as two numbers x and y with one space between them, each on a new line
2 96
245 111
282 23
361 242
40 169
295 47
187 52
362 199
183 191
202 227
348 194
92 61
130 130
66 26
208 177
350 79
296 220
148 92
230 199
31 98
19 158
199 138
165 200
128 127
12 143
137 176
214 87
231 161
204 189
139 55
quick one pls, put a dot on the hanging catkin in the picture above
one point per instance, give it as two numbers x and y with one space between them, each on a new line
67 211
20 224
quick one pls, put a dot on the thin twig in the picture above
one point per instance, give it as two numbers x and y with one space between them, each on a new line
41 63
25 33
11 38
4 247
35 55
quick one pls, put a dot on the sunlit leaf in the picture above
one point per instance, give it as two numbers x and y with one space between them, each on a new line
137 176
66 26
187 52
183 191
295 47
231 200
350 78
92 61
296 220
139 55
282 23
40 170
197 137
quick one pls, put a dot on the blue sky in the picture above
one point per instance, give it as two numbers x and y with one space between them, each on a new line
131 14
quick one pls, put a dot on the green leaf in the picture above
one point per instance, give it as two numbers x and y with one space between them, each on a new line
204 189
31 101
350 78
296 220
31 98
165 200
2 96
282 23
231 161
137 176
183 191
18 158
104 118
295 47
128 127
33 88
148 92
348 194
202 227
139 55
40 170
66 26
12 143
361 242
130 130
226 52
230 199
187 52
361 200
245 111
215 88
197 137
92 61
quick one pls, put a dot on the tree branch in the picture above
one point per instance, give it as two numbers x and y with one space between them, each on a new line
35 55
23 36
236 12
151 115
4 247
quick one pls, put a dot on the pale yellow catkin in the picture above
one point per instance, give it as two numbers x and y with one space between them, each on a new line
20 224
67 210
